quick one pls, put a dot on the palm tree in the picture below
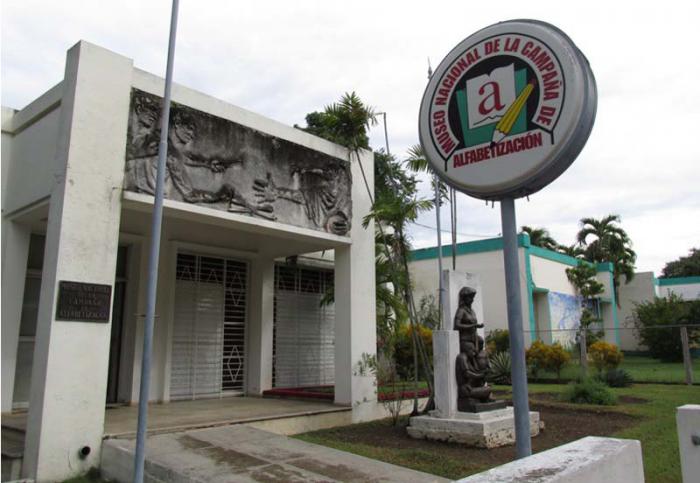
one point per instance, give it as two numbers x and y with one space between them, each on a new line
605 241
394 204
572 250
540 237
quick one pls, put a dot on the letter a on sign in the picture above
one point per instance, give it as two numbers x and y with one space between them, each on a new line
490 95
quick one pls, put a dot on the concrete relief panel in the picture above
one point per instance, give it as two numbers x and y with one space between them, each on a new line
225 166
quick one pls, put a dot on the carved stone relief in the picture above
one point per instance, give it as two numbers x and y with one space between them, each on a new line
217 163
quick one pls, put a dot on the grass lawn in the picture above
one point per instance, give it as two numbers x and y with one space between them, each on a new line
652 422
642 369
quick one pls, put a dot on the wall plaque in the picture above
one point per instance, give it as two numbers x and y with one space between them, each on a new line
83 302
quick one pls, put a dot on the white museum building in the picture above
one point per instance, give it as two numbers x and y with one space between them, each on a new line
261 220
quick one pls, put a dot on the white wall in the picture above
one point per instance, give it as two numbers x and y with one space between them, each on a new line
550 275
69 374
640 289
689 291
30 174
489 267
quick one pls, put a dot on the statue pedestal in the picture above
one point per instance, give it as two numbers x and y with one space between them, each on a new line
489 429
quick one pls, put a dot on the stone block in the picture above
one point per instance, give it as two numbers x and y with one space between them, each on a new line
587 460
484 430
688 420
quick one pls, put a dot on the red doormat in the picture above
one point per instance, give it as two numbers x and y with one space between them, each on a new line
315 392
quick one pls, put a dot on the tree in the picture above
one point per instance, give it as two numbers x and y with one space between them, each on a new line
582 277
540 237
418 163
605 241
683 267
395 203
345 122
665 342
572 251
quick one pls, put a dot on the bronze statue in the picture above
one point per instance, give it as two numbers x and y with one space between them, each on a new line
465 319
472 364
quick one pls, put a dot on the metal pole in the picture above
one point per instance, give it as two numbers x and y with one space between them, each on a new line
157 220
441 289
687 361
386 135
523 445
453 222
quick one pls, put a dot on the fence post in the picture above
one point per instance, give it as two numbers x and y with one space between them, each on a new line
687 362
584 356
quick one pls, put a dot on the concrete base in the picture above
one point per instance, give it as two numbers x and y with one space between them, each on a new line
688 420
587 460
483 430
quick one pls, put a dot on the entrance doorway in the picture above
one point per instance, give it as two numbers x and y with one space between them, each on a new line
115 341
304 328
208 344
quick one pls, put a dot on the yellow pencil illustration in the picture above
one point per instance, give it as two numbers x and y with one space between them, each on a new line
504 126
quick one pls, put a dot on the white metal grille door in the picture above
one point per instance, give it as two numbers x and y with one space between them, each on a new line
304 334
208 353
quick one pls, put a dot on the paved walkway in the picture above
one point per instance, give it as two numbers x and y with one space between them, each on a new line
242 453
182 415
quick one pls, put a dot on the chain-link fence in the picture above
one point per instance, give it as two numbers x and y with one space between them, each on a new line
665 354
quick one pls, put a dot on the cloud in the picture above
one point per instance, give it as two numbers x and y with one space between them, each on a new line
285 59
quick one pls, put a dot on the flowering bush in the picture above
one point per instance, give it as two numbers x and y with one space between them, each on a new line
604 356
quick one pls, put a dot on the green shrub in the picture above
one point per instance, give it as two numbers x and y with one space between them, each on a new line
541 356
589 391
536 357
499 372
498 340
617 378
556 357
665 343
403 351
604 356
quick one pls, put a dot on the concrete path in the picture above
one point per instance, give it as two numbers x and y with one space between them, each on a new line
242 453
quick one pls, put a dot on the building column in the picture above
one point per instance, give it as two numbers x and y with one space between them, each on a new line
69 376
260 325
15 246
355 303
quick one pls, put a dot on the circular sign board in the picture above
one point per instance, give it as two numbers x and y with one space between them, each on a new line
508 110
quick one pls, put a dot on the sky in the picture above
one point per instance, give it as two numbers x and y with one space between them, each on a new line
284 59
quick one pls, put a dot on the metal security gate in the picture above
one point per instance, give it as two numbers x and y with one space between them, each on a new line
208 352
304 330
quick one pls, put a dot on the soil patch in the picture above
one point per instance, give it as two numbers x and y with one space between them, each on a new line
562 425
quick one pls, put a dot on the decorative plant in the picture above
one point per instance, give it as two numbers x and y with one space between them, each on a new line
589 391
536 357
604 356
499 372
497 340
556 357
617 378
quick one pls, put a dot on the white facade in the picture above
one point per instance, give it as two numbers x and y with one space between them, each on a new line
63 163
550 305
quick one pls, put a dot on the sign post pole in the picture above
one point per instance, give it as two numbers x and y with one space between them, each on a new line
504 114
157 220
523 445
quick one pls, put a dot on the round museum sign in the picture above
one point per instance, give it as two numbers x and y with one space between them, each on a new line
508 110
